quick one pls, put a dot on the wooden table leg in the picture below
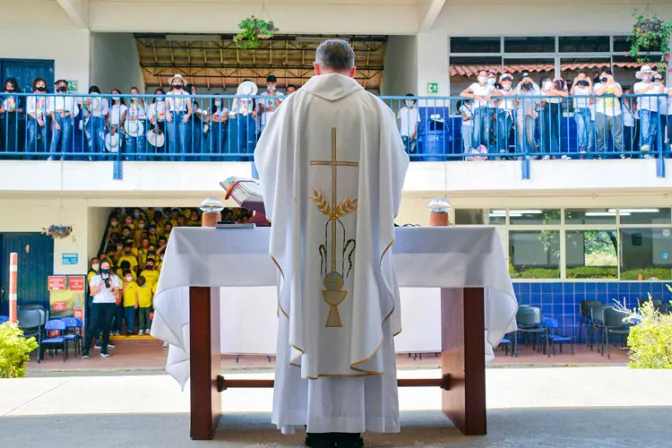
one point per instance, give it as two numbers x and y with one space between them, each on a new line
206 403
463 358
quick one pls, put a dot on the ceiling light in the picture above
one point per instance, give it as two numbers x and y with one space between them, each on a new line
528 212
600 213
637 210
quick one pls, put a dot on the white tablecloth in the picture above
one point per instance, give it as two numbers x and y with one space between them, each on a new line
237 260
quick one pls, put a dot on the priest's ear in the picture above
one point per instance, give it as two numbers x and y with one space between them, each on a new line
319 71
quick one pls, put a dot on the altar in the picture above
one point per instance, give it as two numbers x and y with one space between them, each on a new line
464 268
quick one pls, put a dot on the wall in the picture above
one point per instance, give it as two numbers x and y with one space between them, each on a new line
32 215
115 62
401 75
97 223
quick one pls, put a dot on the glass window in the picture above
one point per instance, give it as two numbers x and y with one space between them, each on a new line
464 70
645 215
592 254
621 45
469 217
534 216
584 44
534 254
590 216
529 44
475 45
645 254
497 217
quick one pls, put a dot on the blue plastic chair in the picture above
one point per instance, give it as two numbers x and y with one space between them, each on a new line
552 325
4 319
56 325
72 324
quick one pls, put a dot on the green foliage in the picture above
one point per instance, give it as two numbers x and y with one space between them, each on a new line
606 272
253 30
650 34
14 351
538 273
658 273
650 340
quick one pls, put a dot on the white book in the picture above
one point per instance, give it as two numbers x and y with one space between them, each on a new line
246 192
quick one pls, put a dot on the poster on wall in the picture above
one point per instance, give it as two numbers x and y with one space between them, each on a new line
67 296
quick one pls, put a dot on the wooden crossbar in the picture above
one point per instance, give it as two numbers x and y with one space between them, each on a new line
224 384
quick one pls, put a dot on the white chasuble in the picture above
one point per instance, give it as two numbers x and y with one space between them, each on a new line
331 165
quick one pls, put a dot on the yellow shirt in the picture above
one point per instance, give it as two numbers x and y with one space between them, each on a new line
151 277
133 260
130 293
195 223
145 296
154 288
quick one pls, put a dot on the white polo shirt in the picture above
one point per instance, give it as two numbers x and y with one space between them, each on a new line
480 90
105 295
408 121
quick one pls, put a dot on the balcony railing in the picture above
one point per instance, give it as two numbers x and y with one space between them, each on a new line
224 128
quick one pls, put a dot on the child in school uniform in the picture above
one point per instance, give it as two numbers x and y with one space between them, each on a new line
145 302
131 301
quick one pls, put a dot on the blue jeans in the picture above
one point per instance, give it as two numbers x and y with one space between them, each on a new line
247 136
95 134
60 138
551 126
178 132
129 317
36 136
410 145
481 131
592 137
582 118
135 147
504 124
525 125
648 122
218 133
467 130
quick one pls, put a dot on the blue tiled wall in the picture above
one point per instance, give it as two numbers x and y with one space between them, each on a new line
560 300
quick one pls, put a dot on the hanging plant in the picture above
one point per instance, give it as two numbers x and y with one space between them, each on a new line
57 231
253 30
650 34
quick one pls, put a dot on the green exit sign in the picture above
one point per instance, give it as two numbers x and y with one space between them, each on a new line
432 87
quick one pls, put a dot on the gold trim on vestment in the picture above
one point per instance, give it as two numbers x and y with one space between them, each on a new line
282 274
362 361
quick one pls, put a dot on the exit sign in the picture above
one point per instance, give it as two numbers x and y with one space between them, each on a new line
432 87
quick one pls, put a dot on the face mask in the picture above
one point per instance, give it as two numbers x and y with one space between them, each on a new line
408 103
126 233
271 88
647 78
62 89
41 89
127 251
506 88
141 226
482 79
491 81
95 266
178 86
150 267
105 271
152 251
218 103
129 279
115 98
114 223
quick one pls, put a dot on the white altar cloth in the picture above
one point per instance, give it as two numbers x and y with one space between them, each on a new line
425 257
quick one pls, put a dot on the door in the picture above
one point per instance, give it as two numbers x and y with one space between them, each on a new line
26 70
36 263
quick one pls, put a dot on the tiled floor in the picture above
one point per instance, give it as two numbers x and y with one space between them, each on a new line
136 357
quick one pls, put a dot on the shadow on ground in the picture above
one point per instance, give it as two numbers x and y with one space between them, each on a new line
511 428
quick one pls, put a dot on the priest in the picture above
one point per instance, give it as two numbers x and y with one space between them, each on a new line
331 164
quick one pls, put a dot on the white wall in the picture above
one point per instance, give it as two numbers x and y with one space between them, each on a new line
32 215
401 60
97 222
115 62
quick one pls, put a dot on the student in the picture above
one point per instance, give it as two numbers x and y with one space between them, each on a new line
117 115
145 302
95 111
63 110
464 106
409 118
150 273
36 111
131 301
137 116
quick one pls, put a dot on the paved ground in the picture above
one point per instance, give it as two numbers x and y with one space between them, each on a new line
551 407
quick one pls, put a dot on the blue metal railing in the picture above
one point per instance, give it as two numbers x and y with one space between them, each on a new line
223 127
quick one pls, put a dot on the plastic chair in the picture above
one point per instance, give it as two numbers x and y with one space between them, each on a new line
529 322
551 325
613 324
4 319
657 303
585 319
32 324
72 325
507 343
597 322
56 325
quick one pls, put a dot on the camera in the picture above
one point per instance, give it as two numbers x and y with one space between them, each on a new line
604 80
526 86
583 83
106 280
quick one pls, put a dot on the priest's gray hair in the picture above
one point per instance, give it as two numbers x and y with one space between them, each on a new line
336 55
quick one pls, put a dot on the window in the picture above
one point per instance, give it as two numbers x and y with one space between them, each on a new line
475 45
529 44
464 70
534 216
497 217
534 254
645 215
469 217
590 216
591 254
646 254
621 45
584 44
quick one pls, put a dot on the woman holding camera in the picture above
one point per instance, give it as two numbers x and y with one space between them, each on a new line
104 287
582 87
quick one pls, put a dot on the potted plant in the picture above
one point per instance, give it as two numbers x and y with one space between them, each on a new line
650 34
57 231
14 351
253 30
